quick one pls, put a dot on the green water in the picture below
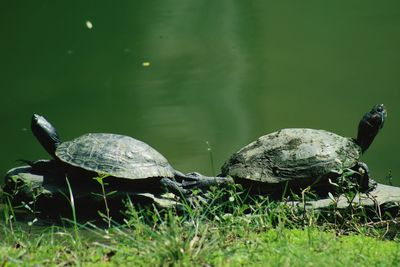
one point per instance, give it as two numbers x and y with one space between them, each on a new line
225 72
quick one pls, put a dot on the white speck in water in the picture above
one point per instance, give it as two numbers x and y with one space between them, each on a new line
146 64
89 24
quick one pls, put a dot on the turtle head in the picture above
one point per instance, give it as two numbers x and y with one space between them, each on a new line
370 125
45 133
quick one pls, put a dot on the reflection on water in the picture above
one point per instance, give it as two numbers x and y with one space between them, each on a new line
219 71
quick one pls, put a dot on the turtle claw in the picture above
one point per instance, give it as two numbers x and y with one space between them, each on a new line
372 184
189 185
205 182
174 187
191 176
195 180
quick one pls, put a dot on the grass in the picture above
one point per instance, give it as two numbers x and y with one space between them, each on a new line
206 244
228 231
71 201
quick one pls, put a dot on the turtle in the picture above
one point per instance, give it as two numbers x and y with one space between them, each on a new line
296 158
129 163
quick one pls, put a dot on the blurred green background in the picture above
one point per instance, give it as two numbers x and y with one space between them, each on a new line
179 73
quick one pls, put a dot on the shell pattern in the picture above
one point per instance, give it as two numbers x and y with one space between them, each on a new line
293 154
116 155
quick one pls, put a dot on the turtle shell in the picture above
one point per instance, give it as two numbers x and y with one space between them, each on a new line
291 154
116 155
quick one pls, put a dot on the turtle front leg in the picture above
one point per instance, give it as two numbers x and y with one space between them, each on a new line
364 181
195 180
174 187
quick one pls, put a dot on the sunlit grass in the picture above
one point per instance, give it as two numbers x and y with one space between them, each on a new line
229 230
